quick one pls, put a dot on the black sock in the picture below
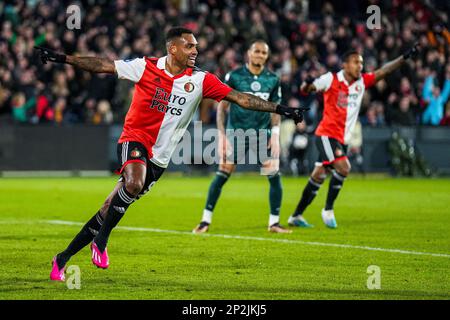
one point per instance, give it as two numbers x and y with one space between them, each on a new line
336 182
309 193
82 239
119 204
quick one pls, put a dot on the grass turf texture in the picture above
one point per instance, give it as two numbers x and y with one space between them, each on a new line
385 213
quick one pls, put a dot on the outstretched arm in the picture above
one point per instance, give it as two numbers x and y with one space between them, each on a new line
388 68
250 101
396 63
91 64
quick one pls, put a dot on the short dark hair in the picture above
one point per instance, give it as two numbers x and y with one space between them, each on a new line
258 40
176 32
349 53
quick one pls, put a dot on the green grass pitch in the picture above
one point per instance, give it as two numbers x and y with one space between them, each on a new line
248 262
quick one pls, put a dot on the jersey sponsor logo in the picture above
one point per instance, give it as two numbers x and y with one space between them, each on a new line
345 100
255 86
162 99
189 87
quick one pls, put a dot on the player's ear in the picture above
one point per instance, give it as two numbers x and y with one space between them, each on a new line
171 47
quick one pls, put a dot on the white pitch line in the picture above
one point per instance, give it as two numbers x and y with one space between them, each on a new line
227 236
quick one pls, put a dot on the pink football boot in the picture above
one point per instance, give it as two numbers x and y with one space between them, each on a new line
57 274
101 260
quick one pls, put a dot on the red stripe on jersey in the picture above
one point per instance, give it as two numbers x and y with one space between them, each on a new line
147 110
335 100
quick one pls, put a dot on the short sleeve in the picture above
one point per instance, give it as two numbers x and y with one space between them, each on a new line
323 83
369 79
275 95
130 69
213 88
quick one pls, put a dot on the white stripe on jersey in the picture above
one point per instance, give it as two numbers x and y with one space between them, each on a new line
173 127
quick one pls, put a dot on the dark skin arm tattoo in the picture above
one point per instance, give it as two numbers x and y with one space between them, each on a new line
92 64
249 101
388 68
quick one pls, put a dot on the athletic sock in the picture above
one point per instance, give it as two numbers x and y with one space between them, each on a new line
119 204
207 216
214 191
82 239
336 182
309 193
275 196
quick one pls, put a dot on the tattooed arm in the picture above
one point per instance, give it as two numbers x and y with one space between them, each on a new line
389 68
249 101
396 63
92 64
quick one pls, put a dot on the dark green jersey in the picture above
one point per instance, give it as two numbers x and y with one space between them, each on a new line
265 85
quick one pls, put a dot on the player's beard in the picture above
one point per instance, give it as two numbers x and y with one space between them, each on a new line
257 65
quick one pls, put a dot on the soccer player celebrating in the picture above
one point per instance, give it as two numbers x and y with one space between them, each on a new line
258 80
342 95
167 92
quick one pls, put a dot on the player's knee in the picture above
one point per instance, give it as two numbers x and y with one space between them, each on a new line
345 170
319 175
227 168
134 186
105 207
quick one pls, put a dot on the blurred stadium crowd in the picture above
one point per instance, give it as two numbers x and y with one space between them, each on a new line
305 37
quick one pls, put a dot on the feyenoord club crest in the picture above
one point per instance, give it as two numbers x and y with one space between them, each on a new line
189 87
358 88
135 153
255 86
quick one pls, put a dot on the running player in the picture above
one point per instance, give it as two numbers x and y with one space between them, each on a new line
253 78
167 92
342 95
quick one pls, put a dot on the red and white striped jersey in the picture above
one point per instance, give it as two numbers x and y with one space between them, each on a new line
163 105
342 102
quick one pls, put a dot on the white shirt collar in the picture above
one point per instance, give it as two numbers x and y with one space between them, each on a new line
340 76
161 64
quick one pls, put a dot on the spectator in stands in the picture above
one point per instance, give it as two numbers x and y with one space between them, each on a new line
403 115
305 40
436 100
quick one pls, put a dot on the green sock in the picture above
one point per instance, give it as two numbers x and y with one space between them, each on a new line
275 194
215 189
